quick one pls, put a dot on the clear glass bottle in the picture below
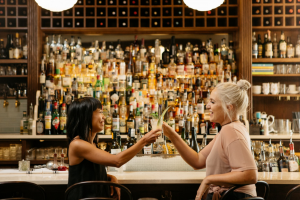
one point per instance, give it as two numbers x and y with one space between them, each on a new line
18 50
293 159
25 47
79 50
224 50
275 47
254 46
297 48
30 119
272 159
24 124
290 53
268 46
204 142
282 46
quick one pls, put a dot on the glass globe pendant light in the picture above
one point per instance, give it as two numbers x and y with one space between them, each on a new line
203 5
56 5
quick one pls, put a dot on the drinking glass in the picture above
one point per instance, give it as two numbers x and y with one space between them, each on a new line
297 69
2 70
282 69
289 69
6 153
296 126
280 126
1 153
158 145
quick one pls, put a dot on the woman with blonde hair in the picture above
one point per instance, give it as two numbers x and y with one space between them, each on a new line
227 158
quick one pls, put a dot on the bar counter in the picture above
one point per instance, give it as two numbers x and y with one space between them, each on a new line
150 177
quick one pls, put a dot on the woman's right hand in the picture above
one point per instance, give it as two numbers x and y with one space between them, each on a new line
168 130
152 136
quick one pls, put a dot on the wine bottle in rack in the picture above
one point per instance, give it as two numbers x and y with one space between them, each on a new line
134 2
167 2
144 12
145 2
278 1
123 12
112 2
177 2
256 1
122 2
278 10
267 10
167 12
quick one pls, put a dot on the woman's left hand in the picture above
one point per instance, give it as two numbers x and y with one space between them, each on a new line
203 189
112 188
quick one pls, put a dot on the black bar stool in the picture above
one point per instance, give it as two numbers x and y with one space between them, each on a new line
231 190
289 194
16 190
108 183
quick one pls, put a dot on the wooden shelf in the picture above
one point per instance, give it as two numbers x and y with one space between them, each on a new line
13 76
276 75
276 60
17 136
32 162
276 95
14 97
295 136
13 61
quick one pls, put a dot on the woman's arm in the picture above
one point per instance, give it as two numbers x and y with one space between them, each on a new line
227 180
194 159
85 150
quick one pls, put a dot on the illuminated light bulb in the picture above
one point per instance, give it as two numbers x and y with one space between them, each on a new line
203 5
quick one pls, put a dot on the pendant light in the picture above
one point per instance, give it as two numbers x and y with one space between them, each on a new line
203 5
56 5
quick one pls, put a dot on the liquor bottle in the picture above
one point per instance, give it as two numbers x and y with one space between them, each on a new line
268 46
138 117
290 52
130 123
3 53
230 52
143 50
96 51
18 50
9 43
272 159
47 47
203 54
66 50
48 117
196 120
194 144
55 120
282 46
108 119
173 49
275 47
293 159
59 46
24 124
224 50
53 45
264 45
115 147
30 119
264 165
72 49
63 120
297 47
40 125
116 121
131 141
78 49
260 47
283 163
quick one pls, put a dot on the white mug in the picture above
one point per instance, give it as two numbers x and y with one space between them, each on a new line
292 88
256 89
274 88
266 88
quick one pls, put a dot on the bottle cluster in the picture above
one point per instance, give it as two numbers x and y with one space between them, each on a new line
134 85
275 161
274 49
16 48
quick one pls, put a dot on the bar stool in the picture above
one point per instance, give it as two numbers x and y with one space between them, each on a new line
289 194
231 190
21 189
107 183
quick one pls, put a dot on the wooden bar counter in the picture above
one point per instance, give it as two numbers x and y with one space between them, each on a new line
183 185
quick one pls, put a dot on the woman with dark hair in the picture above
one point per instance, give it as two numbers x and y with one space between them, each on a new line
87 162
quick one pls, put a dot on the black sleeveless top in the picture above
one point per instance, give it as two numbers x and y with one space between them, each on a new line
87 171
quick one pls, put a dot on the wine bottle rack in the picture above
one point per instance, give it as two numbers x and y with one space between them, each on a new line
13 14
101 14
275 13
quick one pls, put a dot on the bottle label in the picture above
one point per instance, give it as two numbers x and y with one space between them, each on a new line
106 110
142 130
79 79
63 122
39 127
298 50
48 122
180 69
255 49
282 46
148 149
284 170
181 123
42 79
130 125
115 151
293 166
55 123
114 98
116 124
86 79
66 81
200 108
269 52
274 167
78 53
25 51
96 55
129 81
107 129
16 53
137 122
122 125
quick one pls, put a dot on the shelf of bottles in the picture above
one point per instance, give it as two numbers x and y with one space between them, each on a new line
275 13
13 14
275 49
134 84
139 14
